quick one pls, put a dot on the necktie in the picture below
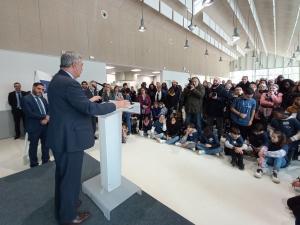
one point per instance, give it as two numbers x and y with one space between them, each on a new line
18 100
40 105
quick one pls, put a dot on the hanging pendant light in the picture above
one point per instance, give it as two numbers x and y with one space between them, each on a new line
220 59
253 54
142 27
186 44
298 47
235 35
294 56
206 52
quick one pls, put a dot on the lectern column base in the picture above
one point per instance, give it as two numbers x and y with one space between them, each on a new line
105 200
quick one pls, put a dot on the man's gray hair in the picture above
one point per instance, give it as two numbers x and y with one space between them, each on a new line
68 58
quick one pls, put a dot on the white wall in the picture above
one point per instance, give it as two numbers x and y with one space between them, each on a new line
180 77
20 66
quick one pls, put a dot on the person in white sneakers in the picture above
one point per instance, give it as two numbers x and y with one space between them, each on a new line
274 155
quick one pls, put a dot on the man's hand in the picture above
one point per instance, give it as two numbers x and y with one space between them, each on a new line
296 183
122 104
45 120
238 150
95 98
208 145
250 123
243 115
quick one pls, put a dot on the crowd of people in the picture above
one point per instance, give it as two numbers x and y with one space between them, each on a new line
260 119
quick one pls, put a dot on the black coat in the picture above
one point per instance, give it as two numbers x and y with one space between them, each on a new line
12 99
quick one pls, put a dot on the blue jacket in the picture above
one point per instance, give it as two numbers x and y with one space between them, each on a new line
210 139
32 113
70 128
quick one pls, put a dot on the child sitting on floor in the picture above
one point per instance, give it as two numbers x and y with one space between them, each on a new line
155 110
190 138
234 146
209 143
146 126
173 130
258 138
275 155
158 129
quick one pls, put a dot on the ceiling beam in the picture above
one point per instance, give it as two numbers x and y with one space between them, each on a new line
275 29
290 42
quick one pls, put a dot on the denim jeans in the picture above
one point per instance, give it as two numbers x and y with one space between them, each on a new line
127 120
209 151
194 118
173 140
277 163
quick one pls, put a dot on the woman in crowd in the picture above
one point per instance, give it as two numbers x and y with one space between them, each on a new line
145 104
152 92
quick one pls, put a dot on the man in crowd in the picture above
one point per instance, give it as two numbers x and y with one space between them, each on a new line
243 111
216 102
84 85
244 83
160 95
14 100
70 133
35 108
192 98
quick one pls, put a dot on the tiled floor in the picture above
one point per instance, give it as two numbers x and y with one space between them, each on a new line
204 189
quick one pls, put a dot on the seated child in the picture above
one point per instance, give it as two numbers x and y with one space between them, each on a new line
158 129
124 133
209 143
173 130
155 110
234 146
146 126
290 127
295 108
190 138
258 138
163 109
275 155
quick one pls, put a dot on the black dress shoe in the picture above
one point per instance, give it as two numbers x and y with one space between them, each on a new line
17 137
80 218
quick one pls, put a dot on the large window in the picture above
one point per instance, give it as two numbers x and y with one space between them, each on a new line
288 72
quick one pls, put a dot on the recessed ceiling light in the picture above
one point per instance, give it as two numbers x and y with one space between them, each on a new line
137 74
92 57
109 67
136 70
156 72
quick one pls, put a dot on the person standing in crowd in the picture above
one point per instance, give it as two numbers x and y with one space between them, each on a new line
117 95
164 87
172 98
269 101
286 88
294 202
145 104
84 85
244 83
15 102
35 108
216 100
243 111
133 94
107 93
152 92
70 133
160 95
192 98
90 92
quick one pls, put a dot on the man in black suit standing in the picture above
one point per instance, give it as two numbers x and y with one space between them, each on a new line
35 108
14 100
70 133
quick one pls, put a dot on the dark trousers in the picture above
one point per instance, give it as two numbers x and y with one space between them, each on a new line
18 115
237 159
219 124
67 184
34 138
196 119
294 205
94 123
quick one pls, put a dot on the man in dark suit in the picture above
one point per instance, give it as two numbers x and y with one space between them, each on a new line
14 100
35 108
70 133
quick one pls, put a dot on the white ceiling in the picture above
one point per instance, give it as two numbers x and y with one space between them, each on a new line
286 14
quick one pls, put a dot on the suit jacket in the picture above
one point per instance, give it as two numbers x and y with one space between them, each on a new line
32 113
12 99
89 93
70 128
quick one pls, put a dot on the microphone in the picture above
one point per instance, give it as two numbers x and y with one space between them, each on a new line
100 84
